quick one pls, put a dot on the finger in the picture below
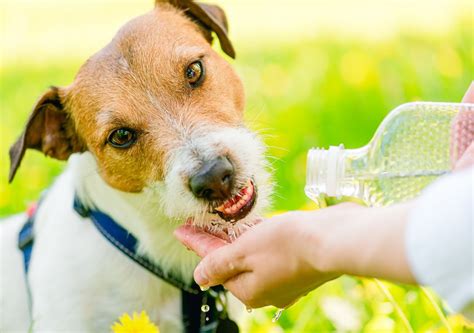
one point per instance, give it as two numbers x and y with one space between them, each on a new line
243 288
220 265
467 158
198 240
462 135
469 96
250 291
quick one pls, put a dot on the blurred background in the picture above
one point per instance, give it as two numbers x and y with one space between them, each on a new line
316 73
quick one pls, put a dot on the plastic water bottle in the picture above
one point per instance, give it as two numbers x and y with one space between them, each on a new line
415 144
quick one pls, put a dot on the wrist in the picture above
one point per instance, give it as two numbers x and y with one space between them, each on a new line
342 241
368 242
321 243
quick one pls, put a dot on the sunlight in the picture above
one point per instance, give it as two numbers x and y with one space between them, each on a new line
54 29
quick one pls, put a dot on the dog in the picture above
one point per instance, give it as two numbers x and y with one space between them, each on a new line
153 130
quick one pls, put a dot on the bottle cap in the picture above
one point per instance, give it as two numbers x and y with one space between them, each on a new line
324 170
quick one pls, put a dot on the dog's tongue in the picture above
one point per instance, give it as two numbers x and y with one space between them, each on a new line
198 240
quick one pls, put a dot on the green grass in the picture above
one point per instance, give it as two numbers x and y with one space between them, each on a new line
311 93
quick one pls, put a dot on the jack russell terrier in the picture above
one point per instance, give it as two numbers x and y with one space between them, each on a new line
153 129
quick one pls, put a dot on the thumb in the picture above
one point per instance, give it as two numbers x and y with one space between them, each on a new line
469 95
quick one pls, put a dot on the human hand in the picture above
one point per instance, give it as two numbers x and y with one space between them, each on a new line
467 155
466 160
469 95
283 258
276 263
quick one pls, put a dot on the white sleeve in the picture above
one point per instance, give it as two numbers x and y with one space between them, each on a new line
439 240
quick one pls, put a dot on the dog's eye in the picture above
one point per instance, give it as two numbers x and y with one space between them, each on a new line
195 73
122 137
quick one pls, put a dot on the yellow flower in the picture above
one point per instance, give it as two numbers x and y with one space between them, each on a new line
138 323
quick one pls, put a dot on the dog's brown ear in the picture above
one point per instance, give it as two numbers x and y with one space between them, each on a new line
49 129
210 17
213 18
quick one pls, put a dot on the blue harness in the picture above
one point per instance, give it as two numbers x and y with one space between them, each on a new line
193 299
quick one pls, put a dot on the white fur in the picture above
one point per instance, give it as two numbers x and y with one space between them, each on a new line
78 280
245 151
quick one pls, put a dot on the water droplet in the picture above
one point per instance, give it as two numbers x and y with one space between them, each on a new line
231 234
277 315
205 308
203 288
249 310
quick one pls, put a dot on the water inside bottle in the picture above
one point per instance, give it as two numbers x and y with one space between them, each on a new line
390 188
409 151
412 152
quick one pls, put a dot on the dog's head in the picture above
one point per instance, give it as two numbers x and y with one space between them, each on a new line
162 112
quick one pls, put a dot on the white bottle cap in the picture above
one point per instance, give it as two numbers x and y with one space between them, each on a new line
325 169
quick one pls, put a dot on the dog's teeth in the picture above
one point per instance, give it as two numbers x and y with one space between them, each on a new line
241 203
230 202
234 204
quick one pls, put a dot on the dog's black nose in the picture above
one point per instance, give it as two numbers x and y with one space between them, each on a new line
214 180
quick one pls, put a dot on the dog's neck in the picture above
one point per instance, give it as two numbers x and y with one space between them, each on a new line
139 213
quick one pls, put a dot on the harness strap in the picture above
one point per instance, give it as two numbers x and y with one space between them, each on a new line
194 319
25 242
200 311
124 241
26 236
193 298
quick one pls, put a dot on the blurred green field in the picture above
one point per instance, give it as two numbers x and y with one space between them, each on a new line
313 92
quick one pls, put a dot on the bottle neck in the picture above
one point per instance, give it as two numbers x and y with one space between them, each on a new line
334 172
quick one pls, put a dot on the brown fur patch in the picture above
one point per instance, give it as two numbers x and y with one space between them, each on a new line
138 81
